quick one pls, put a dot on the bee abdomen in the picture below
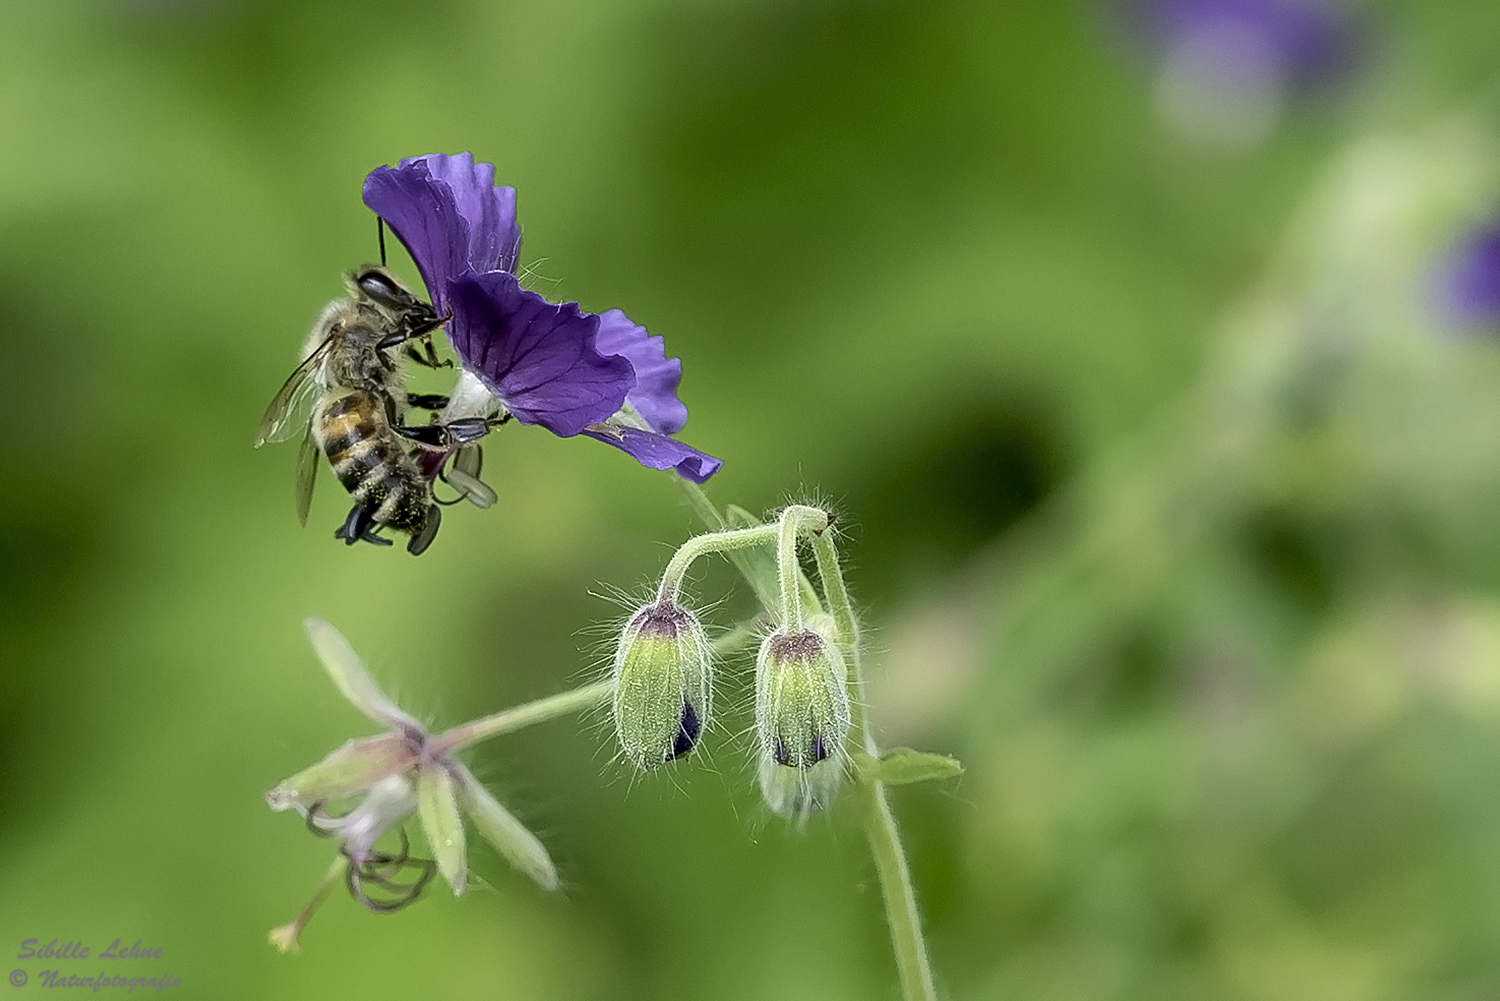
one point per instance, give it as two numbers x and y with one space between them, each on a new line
370 462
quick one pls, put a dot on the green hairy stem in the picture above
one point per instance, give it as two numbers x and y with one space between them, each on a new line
881 830
518 717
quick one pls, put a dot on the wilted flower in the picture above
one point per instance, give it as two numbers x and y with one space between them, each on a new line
662 679
571 372
395 775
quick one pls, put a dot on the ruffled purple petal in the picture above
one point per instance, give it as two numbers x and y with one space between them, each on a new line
490 211
657 451
538 358
423 214
449 214
656 376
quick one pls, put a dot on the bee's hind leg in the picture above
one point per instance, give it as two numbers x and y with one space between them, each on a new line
358 528
419 542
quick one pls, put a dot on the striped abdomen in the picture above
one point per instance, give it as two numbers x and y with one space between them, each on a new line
369 460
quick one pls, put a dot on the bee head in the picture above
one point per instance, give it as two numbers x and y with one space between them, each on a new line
379 286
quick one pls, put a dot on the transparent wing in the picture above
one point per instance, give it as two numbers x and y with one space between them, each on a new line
307 473
292 404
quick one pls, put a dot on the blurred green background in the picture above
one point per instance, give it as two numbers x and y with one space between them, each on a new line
1170 493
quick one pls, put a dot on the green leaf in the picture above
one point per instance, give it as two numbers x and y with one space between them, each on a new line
903 766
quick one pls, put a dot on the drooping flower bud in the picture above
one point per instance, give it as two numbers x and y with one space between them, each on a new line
801 699
663 678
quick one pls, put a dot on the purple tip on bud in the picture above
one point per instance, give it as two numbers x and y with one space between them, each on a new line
687 731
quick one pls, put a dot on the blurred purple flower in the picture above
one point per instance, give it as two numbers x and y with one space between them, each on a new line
569 371
1308 40
1469 279
1226 67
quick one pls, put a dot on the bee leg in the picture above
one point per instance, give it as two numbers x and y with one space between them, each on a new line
466 429
426 401
445 437
433 437
425 362
432 361
419 542
357 528
427 357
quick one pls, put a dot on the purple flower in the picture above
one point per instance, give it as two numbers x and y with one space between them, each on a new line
654 395
1226 68
449 214
569 371
537 358
1305 41
655 450
1470 279
653 399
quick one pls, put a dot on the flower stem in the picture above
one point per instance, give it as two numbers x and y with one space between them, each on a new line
797 593
896 888
724 541
701 505
757 566
879 822
518 717
912 964
835 593
789 572
285 937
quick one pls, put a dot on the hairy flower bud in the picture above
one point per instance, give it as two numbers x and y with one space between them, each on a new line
801 699
662 684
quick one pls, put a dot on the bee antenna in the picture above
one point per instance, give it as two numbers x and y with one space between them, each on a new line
380 235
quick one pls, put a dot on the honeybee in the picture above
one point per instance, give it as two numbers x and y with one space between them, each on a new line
349 397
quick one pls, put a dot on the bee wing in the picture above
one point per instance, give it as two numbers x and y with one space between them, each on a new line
307 473
292 403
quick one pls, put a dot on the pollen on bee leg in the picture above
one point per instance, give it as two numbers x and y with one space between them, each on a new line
419 543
